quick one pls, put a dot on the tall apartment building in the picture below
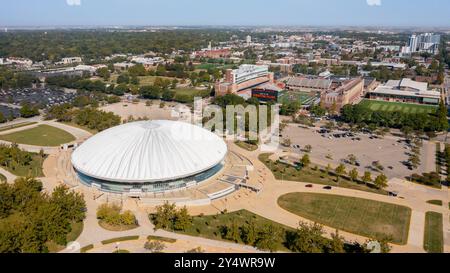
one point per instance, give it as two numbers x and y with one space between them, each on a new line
426 42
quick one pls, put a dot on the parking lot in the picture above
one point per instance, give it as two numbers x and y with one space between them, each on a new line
335 147
9 111
42 97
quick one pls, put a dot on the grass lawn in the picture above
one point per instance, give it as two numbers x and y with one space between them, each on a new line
210 226
247 146
434 237
435 202
189 91
150 80
397 106
116 228
310 175
42 135
15 126
368 218
77 228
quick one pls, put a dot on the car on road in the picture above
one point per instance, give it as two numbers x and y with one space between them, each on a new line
309 186
327 188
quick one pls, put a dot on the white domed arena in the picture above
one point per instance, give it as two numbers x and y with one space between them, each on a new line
149 156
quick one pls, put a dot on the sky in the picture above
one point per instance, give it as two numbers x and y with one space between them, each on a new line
405 13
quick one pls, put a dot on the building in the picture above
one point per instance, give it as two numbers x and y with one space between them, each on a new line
245 77
370 84
267 93
70 60
148 63
249 40
349 91
19 62
149 157
212 53
123 66
406 90
304 84
426 42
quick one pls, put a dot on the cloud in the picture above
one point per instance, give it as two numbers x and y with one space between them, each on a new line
73 2
374 2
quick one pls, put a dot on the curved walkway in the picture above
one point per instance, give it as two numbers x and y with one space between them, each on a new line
9 176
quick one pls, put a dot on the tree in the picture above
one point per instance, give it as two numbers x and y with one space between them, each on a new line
308 149
340 170
442 113
328 169
352 159
104 73
268 238
27 111
353 175
154 246
381 181
249 233
308 238
367 177
182 219
168 95
164 215
336 244
231 232
305 161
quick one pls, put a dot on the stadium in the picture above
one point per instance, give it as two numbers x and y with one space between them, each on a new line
149 157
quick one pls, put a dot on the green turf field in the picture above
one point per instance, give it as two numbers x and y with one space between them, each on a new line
359 216
397 106
42 135
302 97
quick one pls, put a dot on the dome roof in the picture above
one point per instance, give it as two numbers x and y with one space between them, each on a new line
149 151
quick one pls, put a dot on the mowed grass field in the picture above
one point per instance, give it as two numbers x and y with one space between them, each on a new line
433 237
302 97
42 135
397 106
368 218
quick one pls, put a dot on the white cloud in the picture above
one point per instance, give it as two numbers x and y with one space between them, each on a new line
73 2
374 2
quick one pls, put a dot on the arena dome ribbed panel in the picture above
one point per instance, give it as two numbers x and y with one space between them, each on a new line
149 151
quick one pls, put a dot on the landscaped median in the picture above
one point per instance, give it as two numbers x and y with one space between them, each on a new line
316 175
433 237
364 217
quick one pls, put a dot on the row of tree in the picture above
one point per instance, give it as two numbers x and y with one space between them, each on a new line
89 117
358 114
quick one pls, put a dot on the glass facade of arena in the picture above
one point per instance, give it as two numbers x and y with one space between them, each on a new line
117 187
